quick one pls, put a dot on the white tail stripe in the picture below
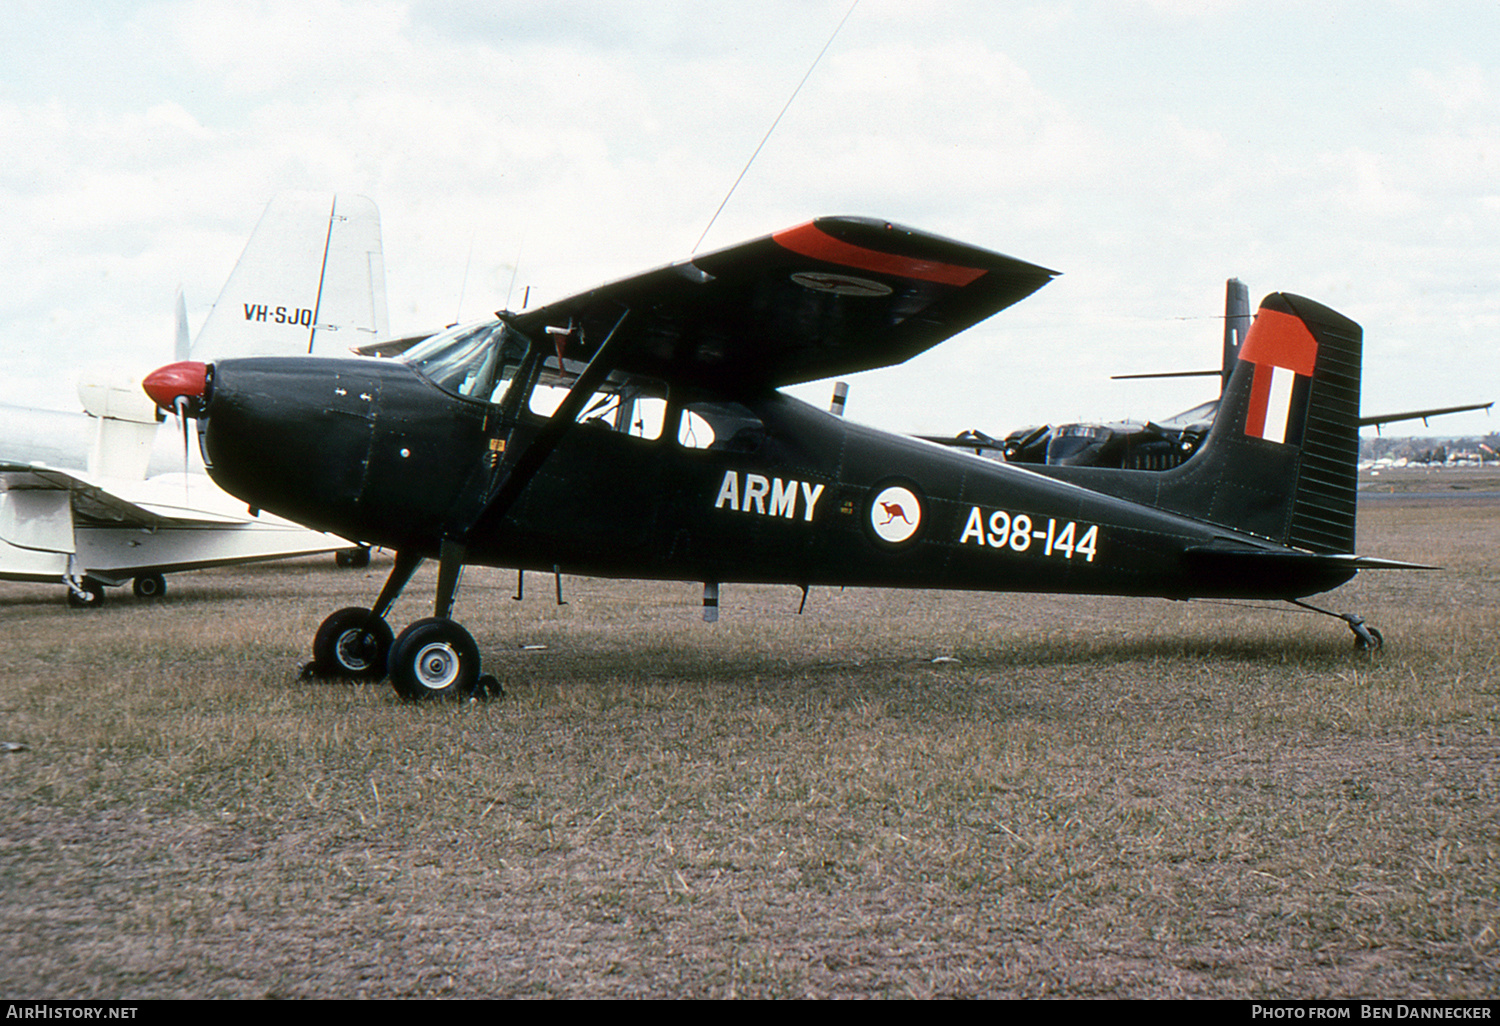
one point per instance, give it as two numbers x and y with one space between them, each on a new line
1279 404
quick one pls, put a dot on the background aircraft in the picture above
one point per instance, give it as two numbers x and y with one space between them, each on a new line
1153 444
108 495
637 430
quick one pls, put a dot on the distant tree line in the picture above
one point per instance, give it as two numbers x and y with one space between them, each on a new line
1431 450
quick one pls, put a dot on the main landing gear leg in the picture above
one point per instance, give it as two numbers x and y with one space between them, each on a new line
354 643
1366 639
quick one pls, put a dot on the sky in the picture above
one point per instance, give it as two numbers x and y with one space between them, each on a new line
1146 149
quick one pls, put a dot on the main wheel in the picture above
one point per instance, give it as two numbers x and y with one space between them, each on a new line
91 597
352 643
150 586
434 658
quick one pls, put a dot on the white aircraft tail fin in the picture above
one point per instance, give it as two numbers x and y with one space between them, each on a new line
181 340
311 280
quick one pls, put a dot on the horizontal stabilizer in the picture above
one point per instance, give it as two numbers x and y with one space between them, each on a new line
1422 415
1229 557
1298 573
1280 561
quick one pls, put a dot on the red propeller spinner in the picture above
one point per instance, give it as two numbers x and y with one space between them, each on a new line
188 379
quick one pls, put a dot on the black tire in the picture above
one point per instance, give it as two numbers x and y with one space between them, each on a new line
352 559
352 644
91 598
150 586
434 658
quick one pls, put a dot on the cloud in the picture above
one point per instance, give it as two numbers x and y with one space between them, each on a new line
262 46
1148 150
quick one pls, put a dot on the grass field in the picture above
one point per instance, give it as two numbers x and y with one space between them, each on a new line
1087 797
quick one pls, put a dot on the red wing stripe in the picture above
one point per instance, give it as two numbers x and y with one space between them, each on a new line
811 241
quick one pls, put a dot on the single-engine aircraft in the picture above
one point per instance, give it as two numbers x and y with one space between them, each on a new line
636 430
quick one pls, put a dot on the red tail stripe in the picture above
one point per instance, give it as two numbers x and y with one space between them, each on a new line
1260 398
1282 340
811 241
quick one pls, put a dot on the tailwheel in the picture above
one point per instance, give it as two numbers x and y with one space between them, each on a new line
434 658
87 594
352 644
150 586
1366 638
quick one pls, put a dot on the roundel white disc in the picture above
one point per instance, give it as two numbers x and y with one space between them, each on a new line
895 514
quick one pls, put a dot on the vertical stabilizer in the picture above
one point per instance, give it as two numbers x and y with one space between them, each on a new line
310 280
1236 325
1281 458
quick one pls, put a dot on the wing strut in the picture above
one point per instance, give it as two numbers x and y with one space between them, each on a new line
407 562
454 551
451 558
530 460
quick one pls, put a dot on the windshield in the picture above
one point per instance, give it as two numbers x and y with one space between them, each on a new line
474 360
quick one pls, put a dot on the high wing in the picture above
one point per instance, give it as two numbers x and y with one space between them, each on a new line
833 296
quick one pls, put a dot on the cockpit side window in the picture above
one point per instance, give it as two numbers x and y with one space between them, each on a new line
477 361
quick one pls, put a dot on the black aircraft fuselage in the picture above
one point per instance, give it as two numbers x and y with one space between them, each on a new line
375 450
636 430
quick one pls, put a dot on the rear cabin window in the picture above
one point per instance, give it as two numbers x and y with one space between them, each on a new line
722 427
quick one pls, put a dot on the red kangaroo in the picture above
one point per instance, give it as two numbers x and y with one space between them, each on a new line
892 511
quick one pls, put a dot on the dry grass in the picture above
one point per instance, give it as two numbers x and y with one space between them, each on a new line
1098 797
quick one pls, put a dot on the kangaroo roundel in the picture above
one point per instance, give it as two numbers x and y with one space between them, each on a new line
895 514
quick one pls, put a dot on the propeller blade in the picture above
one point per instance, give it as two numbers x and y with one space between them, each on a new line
179 405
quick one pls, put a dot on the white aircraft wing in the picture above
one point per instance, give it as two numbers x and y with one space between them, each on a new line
60 524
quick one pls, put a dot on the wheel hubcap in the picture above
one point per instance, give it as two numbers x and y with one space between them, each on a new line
354 650
437 666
